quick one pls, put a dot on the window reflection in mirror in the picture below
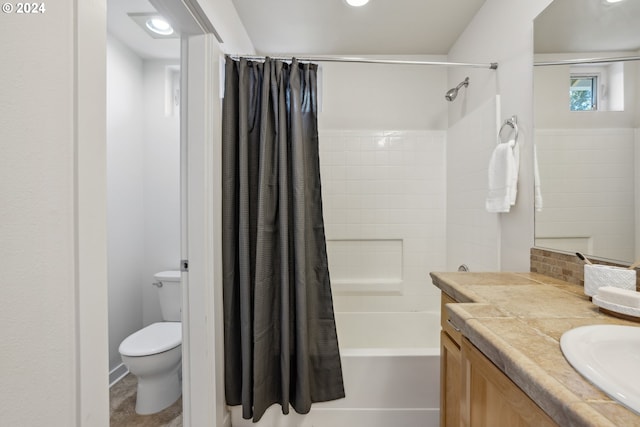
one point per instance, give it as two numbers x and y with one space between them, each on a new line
583 92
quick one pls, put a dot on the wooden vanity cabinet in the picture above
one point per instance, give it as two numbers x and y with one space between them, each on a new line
450 370
474 392
450 382
491 399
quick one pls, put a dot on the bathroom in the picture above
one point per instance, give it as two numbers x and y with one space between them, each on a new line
386 156
501 31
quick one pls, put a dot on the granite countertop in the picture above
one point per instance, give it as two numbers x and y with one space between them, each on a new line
516 320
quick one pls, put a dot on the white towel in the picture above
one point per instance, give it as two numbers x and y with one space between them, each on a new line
515 149
537 202
503 178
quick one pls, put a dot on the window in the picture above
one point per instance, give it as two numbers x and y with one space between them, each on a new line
597 87
583 92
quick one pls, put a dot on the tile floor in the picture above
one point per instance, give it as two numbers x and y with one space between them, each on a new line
123 401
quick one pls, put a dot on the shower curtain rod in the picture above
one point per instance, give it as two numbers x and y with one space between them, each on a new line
491 66
588 61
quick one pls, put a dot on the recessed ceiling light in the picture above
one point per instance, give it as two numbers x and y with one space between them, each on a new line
613 1
357 3
159 25
154 25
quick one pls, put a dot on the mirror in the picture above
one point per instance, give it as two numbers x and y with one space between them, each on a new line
588 158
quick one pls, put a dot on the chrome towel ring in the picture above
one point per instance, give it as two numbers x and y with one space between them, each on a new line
513 123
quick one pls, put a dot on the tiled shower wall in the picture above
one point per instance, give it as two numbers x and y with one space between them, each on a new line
384 209
473 234
587 178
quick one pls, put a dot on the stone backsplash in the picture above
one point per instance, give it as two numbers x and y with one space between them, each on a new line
563 266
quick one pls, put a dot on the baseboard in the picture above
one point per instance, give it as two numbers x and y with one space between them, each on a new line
117 373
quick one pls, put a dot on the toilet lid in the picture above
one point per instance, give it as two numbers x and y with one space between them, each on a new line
153 339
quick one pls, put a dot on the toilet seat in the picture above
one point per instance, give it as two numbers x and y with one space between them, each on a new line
153 339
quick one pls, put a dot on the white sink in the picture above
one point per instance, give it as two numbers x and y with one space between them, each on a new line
609 357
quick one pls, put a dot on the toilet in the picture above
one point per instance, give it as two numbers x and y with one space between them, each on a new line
154 354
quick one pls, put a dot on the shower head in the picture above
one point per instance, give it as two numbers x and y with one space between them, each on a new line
452 93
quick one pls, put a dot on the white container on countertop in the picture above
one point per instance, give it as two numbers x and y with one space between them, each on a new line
598 275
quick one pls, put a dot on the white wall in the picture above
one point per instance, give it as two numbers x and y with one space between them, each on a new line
471 231
502 31
382 156
161 167
143 159
125 193
53 217
383 96
37 217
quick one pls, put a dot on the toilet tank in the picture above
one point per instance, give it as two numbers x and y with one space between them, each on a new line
169 295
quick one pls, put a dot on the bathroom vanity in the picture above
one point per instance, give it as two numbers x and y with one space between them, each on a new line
501 362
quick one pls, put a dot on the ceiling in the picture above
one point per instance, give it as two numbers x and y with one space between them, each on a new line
320 27
331 27
122 27
391 27
588 26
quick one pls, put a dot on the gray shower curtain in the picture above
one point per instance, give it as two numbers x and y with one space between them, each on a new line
280 336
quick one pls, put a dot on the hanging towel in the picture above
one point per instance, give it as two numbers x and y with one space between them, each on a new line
503 178
515 150
537 202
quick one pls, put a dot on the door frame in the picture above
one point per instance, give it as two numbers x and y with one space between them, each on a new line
200 188
203 385
201 230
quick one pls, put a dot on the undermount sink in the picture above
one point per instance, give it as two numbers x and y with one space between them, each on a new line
609 357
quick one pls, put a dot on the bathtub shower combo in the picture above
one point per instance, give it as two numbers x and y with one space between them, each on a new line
390 379
389 350
390 354
383 205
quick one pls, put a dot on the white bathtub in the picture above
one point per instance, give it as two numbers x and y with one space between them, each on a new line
391 370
